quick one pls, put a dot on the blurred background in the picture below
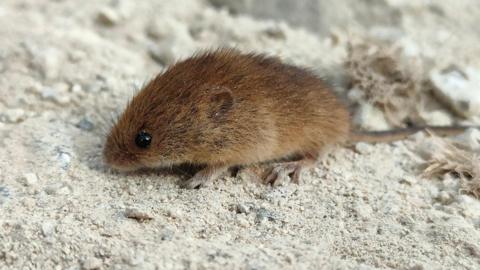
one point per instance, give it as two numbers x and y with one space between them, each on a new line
396 62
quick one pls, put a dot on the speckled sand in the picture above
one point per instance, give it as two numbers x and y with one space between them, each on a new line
67 66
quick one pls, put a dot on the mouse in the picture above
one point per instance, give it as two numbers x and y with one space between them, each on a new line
225 108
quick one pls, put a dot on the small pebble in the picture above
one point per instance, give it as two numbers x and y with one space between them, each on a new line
49 62
363 148
108 17
92 263
409 180
264 215
57 93
243 222
416 267
275 33
64 158
30 179
29 202
76 89
13 116
4 193
57 188
242 209
85 125
458 87
137 214
174 213
133 259
48 228
160 55
444 197
167 235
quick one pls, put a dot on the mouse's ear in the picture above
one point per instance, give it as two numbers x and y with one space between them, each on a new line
221 102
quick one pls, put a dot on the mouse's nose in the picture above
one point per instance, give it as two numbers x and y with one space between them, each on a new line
119 160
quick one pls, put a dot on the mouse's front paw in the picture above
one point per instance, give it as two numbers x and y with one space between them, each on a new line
203 176
193 182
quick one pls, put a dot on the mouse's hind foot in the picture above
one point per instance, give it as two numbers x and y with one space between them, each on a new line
277 174
283 172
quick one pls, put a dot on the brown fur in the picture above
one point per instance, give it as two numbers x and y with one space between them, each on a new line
225 108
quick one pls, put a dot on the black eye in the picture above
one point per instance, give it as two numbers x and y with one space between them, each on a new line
143 139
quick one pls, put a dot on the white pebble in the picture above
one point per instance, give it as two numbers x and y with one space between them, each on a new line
108 17
174 213
50 62
470 138
48 228
13 116
371 118
411 180
30 179
243 222
64 158
458 86
76 89
363 148
58 93
444 197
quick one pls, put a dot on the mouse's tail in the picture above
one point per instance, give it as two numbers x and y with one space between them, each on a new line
403 133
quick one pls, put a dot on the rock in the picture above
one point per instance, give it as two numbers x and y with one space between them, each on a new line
108 17
264 215
242 221
242 209
444 197
164 27
437 118
133 259
167 52
137 214
13 116
275 33
48 62
4 194
363 148
30 179
85 125
64 158
58 93
172 41
174 213
77 55
57 189
76 89
166 235
470 138
459 88
410 180
48 228
370 118
92 263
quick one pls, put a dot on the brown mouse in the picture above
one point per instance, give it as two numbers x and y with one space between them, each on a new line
225 108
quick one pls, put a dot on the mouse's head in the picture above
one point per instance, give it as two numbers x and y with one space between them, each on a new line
166 123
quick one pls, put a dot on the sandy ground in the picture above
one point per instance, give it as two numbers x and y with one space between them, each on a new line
66 67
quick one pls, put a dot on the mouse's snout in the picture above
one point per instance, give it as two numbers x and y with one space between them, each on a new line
118 158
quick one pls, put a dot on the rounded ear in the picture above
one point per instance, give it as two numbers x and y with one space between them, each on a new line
221 101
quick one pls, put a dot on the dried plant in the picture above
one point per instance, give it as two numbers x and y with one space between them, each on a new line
387 80
447 157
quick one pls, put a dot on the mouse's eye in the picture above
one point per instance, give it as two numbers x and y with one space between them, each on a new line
143 139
